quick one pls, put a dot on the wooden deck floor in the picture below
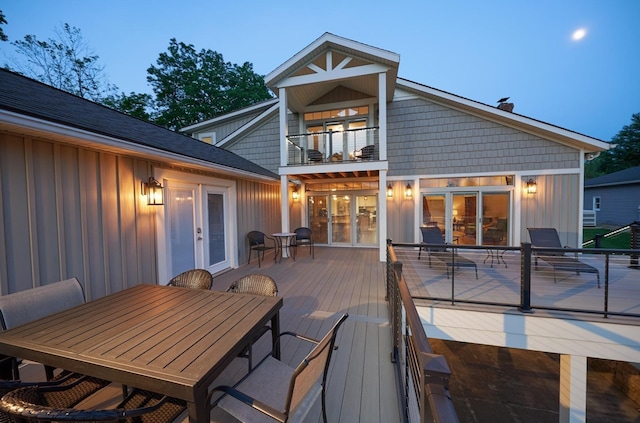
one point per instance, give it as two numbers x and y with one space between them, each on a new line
362 384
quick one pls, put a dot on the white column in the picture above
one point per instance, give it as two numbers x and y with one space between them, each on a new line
284 128
573 389
382 215
382 115
284 195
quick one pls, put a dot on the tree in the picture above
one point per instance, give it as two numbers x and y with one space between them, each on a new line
192 86
66 63
3 21
626 154
136 105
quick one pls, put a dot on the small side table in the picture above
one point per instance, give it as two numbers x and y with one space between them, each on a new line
495 254
283 244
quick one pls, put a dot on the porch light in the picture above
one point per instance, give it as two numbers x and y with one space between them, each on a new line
532 188
408 192
154 192
389 191
295 194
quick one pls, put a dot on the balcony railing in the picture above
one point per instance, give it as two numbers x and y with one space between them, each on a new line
351 145
423 376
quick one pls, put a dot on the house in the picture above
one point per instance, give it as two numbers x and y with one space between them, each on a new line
74 179
371 156
614 198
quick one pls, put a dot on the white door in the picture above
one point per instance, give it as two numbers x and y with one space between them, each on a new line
198 229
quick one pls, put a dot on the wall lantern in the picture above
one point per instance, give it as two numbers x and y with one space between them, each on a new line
154 192
389 191
295 194
408 192
531 188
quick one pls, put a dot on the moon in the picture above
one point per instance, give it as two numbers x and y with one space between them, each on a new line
579 34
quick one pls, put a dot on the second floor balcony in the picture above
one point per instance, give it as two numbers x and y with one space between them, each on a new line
351 145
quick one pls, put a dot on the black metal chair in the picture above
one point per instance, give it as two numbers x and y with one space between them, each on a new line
548 237
434 245
258 242
194 278
276 391
304 236
255 284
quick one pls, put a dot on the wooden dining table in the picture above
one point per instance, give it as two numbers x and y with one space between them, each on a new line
170 340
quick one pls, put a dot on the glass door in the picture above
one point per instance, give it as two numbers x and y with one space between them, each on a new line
495 218
366 224
434 211
319 217
341 219
465 217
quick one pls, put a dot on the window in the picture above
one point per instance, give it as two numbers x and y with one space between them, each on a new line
208 137
596 203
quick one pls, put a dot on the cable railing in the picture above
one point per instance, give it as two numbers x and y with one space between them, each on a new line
422 376
351 145
574 280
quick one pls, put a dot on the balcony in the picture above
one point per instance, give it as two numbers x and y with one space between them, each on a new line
349 146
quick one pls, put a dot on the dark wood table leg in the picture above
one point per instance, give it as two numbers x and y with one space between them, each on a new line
275 332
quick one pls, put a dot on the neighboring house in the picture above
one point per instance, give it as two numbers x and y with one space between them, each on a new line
371 156
71 183
614 198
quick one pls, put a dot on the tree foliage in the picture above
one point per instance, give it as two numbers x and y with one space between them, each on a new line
624 155
191 86
66 63
133 104
3 21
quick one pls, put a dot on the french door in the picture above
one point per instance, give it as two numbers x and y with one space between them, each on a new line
473 218
198 229
347 219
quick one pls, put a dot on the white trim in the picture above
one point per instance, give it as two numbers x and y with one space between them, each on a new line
228 116
164 175
247 126
517 121
66 134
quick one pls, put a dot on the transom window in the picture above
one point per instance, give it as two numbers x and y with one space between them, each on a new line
337 113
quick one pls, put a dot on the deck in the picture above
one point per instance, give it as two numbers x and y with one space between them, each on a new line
362 380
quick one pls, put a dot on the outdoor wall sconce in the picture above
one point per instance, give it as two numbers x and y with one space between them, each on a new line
408 192
295 194
154 192
531 188
389 191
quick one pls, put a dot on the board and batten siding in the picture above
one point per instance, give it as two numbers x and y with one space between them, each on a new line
258 210
425 138
73 212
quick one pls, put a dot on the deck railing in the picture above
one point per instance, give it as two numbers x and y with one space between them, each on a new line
618 269
350 145
423 376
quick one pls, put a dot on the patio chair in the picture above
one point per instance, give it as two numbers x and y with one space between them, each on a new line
558 260
35 404
32 304
258 243
304 236
314 155
73 388
255 284
194 278
432 235
366 152
275 391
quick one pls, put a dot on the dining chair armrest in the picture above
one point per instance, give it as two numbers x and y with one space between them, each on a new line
250 401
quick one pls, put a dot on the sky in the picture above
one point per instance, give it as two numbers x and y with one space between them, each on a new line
482 50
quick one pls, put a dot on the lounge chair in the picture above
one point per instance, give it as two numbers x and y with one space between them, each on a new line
548 238
434 245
